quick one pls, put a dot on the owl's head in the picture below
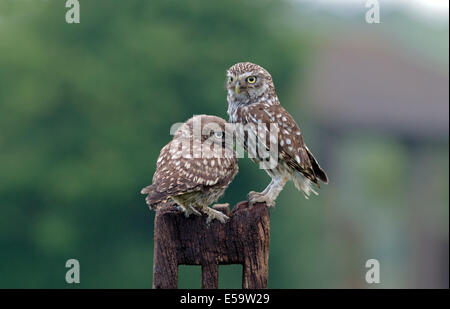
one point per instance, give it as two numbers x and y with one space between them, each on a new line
247 82
212 133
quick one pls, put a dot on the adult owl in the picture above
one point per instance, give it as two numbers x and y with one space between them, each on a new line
253 104
195 168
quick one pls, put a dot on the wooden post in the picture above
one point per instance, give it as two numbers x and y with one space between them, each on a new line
244 240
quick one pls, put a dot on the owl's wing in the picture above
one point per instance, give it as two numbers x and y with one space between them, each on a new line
179 173
291 148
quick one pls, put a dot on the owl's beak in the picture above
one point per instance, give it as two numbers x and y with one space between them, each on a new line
237 88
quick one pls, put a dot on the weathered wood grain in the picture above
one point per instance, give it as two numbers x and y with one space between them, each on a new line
244 240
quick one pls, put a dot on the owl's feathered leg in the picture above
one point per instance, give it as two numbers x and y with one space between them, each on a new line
303 184
270 193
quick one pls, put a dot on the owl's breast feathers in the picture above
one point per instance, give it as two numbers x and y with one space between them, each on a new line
291 147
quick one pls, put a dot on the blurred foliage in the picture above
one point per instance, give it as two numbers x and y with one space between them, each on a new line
85 110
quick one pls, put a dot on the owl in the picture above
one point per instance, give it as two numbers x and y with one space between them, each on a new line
262 124
195 168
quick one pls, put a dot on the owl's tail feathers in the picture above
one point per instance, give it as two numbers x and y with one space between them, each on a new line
318 171
153 197
303 184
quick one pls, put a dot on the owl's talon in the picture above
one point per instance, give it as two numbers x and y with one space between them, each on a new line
188 211
257 197
224 205
195 211
183 210
223 208
214 214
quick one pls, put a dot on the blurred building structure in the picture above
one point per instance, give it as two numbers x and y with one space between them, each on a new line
366 86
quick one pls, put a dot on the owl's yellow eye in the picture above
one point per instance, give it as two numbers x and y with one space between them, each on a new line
230 79
251 79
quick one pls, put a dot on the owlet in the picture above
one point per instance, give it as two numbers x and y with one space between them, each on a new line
195 168
269 134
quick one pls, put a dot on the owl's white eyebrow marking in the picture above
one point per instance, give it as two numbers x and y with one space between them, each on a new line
245 75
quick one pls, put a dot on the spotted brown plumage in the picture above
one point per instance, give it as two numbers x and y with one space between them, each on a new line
253 103
195 168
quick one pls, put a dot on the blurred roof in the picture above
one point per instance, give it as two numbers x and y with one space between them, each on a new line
370 82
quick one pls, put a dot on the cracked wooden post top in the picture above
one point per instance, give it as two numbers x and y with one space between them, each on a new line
244 240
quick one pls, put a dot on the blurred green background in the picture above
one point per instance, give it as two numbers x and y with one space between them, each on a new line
85 109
